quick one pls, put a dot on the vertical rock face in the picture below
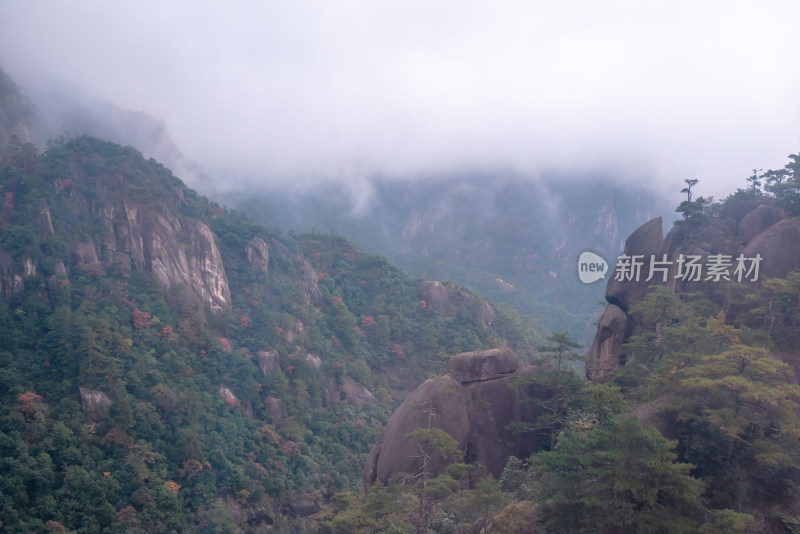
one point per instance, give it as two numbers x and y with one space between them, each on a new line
257 254
268 361
604 353
474 404
96 406
177 251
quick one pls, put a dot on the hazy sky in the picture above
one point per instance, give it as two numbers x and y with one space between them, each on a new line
649 90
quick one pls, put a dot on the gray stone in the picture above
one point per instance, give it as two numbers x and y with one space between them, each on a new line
603 356
646 241
483 365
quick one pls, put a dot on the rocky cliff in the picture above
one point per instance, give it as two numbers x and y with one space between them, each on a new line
745 228
113 223
473 403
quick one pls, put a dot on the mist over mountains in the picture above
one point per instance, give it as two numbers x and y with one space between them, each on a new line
513 237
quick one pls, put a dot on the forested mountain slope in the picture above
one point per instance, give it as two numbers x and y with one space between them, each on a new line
169 365
690 419
515 239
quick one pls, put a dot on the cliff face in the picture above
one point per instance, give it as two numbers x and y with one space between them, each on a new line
178 252
745 228
112 225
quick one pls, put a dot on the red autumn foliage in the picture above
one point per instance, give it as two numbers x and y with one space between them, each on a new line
9 199
127 513
28 401
397 350
367 321
290 449
190 468
226 344
66 182
141 319
165 332
290 370
268 433
245 321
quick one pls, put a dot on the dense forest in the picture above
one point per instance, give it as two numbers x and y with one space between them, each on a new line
132 401
697 429
170 365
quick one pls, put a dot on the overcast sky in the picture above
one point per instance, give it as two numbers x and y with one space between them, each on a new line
648 90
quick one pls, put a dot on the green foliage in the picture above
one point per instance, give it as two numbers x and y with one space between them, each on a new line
127 407
615 477
692 210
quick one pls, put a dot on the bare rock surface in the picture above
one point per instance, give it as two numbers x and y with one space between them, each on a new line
603 356
483 365
646 241
474 412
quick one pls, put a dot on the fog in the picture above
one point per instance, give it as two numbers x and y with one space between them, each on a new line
292 92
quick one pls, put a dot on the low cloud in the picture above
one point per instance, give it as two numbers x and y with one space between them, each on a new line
283 92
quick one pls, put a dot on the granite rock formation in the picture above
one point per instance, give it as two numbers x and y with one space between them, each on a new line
474 404
744 228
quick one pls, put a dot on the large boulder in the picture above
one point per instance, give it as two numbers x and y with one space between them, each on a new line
779 247
475 412
759 220
483 365
355 393
646 241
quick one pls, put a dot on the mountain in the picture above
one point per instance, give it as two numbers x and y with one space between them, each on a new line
689 420
513 238
16 111
167 364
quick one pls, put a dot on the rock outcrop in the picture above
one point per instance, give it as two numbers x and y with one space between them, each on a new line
759 230
604 354
474 404
257 254
268 361
177 251
646 241
779 248
96 406
450 298
355 393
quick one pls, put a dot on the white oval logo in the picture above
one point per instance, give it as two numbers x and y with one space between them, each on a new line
591 267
